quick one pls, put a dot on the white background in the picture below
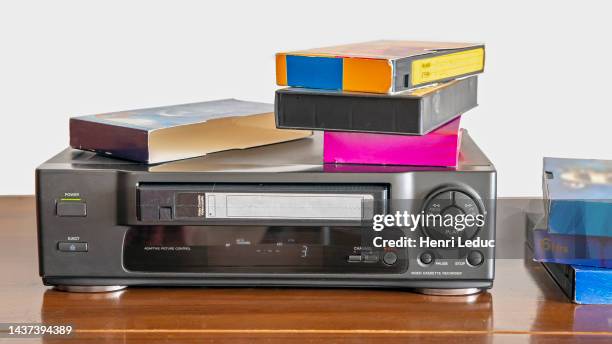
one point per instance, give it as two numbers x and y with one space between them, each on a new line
546 90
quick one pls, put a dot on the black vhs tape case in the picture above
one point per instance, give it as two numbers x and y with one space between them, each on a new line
268 216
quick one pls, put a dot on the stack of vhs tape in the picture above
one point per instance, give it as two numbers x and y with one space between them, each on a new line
382 102
574 237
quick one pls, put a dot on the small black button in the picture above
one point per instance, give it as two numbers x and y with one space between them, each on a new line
426 258
72 246
439 202
475 258
466 203
390 258
452 211
370 258
354 259
71 208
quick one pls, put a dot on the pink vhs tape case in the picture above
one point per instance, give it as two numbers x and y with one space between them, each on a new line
438 148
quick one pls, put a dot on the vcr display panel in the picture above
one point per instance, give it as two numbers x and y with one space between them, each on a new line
260 249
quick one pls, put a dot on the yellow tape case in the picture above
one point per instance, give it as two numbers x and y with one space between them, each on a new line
379 66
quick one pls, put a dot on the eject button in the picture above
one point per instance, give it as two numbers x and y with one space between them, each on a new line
72 246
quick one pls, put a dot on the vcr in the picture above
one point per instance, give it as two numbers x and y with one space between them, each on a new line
268 216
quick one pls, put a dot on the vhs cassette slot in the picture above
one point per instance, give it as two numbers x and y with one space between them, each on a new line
219 204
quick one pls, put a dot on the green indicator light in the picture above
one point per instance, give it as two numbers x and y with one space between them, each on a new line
70 199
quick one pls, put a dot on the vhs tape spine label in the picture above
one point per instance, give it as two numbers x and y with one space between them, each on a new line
447 66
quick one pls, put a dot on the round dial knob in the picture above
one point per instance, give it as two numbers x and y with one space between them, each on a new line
451 207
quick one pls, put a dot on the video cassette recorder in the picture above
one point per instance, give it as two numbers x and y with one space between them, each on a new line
268 216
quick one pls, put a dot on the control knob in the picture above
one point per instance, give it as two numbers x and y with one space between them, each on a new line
448 205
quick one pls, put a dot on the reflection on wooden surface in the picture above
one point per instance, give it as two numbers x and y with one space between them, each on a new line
211 310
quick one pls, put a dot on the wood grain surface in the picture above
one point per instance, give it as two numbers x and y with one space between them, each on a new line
524 306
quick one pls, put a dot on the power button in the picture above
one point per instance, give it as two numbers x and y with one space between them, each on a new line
71 209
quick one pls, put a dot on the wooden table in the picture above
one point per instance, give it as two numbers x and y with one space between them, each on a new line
524 305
